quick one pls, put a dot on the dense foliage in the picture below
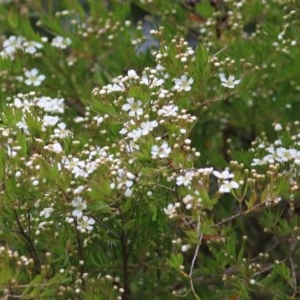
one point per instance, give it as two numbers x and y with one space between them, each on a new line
149 149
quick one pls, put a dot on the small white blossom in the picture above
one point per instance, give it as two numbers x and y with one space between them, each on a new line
170 210
185 179
60 42
56 147
151 82
230 83
148 126
161 151
168 111
223 175
22 125
132 74
80 205
61 131
183 83
33 77
277 127
85 224
185 248
54 105
47 212
134 107
50 120
11 45
32 46
227 186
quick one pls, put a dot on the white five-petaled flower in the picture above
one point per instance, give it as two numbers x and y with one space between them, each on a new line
50 120
47 212
33 77
170 210
148 126
32 46
223 175
62 131
80 206
168 111
85 224
161 151
55 147
61 42
230 83
183 83
185 179
55 105
227 186
11 44
134 107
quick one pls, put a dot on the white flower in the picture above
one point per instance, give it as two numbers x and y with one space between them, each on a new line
223 175
61 42
162 151
25 104
132 147
183 83
151 82
33 77
185 179
56 147
32 46
134 107
168 111
132 74
283 155
227 186
79 205
54 105
23 126
50 120
148 126
61 132
47 212
10 152
230 83
85 223
185 248
277 127
135 134
116 87
70 163
170 211
11 44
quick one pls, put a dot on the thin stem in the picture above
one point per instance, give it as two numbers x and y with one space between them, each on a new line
29 242
200 236
81 254
125 266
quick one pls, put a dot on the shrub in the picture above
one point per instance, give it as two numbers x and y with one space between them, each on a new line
149 149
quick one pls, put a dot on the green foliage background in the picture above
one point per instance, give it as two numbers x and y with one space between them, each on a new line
242 245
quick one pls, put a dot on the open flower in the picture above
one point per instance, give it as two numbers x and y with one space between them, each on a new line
60 42
33 77
185 179
227 186
134 107
162 151
79 204
183 83
85 224
230 83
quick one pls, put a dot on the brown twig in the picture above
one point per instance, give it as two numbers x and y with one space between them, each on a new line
29 243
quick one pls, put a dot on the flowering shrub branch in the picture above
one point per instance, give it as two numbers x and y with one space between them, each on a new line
149 149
